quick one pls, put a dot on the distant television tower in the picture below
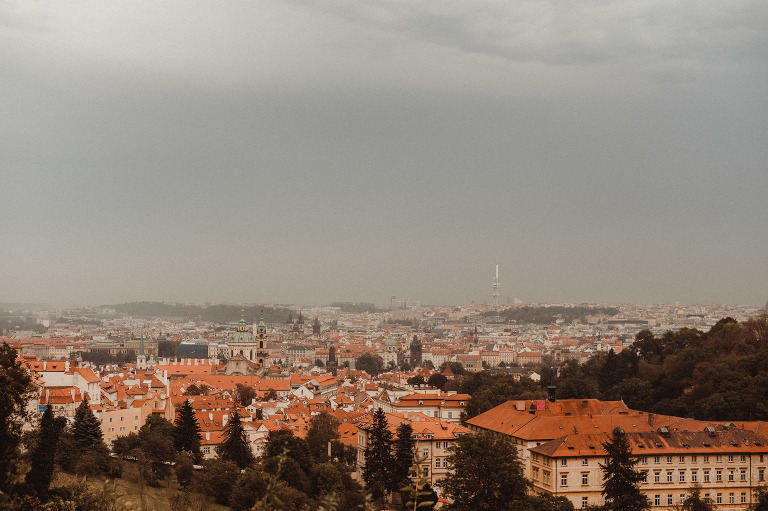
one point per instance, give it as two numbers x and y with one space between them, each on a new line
496 284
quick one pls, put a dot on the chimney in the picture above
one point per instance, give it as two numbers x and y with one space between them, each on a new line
651 419
551 391
224 420
72 391
47 396
210 415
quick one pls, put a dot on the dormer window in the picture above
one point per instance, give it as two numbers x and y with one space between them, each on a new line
421 402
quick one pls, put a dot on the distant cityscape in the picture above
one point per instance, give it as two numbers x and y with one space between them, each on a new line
351 359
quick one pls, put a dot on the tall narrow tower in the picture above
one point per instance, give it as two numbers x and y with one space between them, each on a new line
496 284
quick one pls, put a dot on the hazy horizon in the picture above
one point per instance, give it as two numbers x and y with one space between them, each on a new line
296 152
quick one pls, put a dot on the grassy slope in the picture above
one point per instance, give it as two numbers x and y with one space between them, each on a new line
167 497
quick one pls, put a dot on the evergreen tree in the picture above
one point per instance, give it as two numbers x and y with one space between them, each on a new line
14 382
403 456
156 445
86 427
621 482
44 453
486 473
235 446
186 432
378 456
323 428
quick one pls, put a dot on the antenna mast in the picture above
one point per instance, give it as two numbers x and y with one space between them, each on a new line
496 285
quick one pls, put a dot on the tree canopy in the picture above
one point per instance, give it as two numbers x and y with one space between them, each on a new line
486 473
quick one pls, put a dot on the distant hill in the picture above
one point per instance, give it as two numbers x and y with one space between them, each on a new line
548 315
356 307
221 313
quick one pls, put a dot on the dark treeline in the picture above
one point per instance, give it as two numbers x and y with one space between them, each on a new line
547 315
717 375
356 307
220 313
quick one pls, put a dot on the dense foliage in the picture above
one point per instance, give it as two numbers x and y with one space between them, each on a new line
548 315
718 375
15 384
482 481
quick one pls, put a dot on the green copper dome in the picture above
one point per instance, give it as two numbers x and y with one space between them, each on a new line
243 334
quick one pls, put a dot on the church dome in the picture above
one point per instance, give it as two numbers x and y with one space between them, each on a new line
243 334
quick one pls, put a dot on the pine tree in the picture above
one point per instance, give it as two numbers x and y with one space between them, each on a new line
186 432
235 446
44 453
621 482
403 456
14 382
86 427
378 456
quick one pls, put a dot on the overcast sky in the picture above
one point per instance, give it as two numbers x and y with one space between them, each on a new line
318 151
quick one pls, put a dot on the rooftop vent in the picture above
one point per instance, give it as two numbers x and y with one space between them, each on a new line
712 431
663 431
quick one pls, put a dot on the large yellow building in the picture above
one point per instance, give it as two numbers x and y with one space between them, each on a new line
727 464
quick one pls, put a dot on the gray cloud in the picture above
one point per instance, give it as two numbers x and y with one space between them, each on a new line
316 152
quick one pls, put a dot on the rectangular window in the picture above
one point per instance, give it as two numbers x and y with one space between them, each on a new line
719 458
657 500
450 415
730 458
743 458
563 462
644 459
669 499
706 476
206 450
585 461
669 459
682 498
761 474
535 474
682 459
426 453
694 476
731 498
719 498
657 477
584 502
694 459
731 476
682 476
437 463
706 459
563 479
669 476
706 498
656 459
743 497
743 475
644 477
445 463
719 475
585 478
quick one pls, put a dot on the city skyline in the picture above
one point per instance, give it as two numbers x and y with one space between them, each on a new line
287 152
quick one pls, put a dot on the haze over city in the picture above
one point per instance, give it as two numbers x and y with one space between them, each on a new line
296 152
